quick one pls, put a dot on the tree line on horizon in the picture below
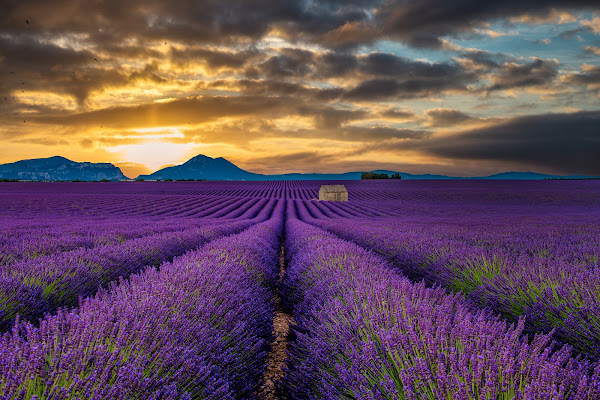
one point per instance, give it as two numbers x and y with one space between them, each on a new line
383 175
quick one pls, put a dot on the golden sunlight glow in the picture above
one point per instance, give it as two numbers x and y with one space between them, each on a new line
155 154
47 99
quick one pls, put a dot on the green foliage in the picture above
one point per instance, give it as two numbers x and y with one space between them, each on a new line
373 175
395 176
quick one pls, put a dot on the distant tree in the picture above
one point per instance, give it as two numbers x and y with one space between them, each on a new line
104 180
373 175
139 180
77 180
169 180
8 180
395 176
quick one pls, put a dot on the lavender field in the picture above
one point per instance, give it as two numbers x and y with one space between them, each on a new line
410 290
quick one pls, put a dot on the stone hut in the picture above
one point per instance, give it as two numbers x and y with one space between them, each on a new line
333 193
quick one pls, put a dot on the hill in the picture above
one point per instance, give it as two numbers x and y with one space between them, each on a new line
59 169
203 167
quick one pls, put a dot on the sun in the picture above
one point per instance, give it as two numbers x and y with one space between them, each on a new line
154 154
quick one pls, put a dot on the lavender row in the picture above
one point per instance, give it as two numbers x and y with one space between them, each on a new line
365 332
551 277
197 328
33 287
30 240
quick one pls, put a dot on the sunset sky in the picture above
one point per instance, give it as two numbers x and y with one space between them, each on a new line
420 86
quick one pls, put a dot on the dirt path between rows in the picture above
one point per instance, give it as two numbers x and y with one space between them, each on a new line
277 354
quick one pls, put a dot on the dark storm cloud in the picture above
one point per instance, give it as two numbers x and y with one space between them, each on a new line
381 89
31 64
357 134
378 133
378 65
331 23
198 21
571 33
387 75
536 73
290 63
380 75
566 143
29 52
422 23
589 76
329 118
483 59
263 87
294 160
393 113
114 30
443 117
177 112
213 58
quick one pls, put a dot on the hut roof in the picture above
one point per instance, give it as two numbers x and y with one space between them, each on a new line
333 188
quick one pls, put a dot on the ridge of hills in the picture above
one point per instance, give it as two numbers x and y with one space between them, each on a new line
59 168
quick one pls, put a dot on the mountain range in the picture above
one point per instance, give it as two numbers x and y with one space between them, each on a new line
59 169
202 167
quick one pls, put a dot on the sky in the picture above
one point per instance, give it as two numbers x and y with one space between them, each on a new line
464 88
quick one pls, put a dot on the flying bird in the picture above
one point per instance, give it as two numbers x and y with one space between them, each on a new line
95 59
5 98
27 22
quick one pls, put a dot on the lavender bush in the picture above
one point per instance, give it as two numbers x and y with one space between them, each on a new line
365 332
196 328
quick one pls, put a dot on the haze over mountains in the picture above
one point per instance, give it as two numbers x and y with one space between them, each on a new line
199 167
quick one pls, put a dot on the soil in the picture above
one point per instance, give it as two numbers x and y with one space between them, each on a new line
277 354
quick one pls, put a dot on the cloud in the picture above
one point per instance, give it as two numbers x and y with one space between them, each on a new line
571 33
536 73
444 117
174 113
592 50
592 24
545 41
212 58
589 76
289 63
424 23
398 114
329 23
564 143
231 73
44 141
329 118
